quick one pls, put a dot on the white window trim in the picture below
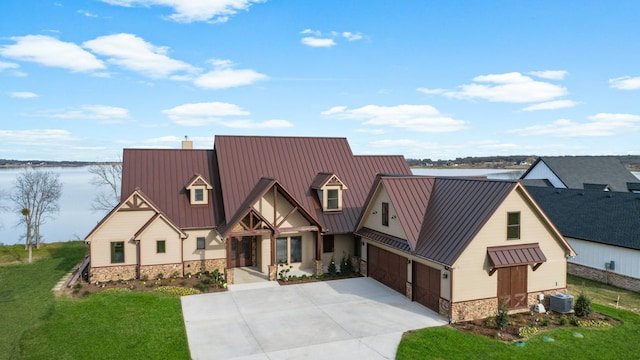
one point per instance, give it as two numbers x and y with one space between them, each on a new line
205 195
325 198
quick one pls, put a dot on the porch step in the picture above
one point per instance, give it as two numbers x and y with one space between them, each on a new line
251 286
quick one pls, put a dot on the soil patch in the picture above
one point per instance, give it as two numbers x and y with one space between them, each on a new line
518 324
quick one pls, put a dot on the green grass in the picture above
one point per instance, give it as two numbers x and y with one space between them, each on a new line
25 291
36 325
620 342
604 294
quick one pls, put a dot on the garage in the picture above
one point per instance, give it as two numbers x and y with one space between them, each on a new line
426 286
387 267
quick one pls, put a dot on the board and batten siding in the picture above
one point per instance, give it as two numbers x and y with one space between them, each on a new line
122 226
595 255
471 270
542 171
373 220
160 230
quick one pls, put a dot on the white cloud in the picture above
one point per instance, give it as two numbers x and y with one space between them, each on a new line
36 137
86 13
509 87
135 54
214 113
625 83
52 52
550 74
187 11
317 42
372 131
421 118
600 125
310 31
105 114
224 76
431 91
352 36
7 65
551 105
23 95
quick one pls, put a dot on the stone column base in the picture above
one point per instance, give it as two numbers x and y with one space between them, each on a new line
273 272
355 260
317 267
363 267
409 291
228 274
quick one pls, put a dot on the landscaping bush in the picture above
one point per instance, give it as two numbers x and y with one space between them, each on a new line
583 305
332 270
502 319
346 265
176 290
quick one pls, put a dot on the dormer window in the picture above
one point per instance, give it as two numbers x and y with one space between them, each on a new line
198 189
329 188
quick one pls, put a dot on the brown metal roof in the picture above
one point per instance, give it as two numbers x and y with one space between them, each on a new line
295 163
458 208
383 238
162 175
525 254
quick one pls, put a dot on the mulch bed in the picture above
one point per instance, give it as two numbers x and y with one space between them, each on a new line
313 278
543 322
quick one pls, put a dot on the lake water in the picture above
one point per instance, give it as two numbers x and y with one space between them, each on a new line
75 219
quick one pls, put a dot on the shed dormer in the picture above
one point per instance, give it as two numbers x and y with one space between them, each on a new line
198 189
329 189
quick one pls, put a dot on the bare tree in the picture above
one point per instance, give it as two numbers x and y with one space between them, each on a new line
109 176
36 196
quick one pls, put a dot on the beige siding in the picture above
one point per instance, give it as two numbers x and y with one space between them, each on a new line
121 226
308 250
374 221
214 247
471 270
160 230
264 254
266 207
342 245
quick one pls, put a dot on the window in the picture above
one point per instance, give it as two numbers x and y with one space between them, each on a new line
296 249
385 214
200 243
513 225
289 250
281 251
161 247
199 195
117 252
327 243
332 199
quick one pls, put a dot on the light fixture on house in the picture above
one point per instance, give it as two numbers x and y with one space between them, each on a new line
375 212
394 217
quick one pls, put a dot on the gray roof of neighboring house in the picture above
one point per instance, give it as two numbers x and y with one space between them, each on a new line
611 218
575 171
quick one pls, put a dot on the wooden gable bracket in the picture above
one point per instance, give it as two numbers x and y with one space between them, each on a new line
536 266
294 210
135 203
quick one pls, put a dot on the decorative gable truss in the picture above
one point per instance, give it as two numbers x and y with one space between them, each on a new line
198 189
329 190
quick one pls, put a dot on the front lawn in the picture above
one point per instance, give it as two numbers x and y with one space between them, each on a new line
620 342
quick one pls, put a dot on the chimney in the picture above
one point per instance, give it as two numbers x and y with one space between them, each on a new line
186 143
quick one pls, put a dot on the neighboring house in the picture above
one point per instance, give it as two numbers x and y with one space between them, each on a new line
460 246
251 201
604 173
604 228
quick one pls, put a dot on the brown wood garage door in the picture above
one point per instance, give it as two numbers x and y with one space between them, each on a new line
512 286
426 286
387 267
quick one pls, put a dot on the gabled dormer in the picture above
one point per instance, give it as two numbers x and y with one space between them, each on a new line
329 189
198 189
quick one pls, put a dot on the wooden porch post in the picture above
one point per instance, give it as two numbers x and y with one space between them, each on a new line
318 245
273 268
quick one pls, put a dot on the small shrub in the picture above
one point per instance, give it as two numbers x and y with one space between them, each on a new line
86 293
144 278
526 332
331 269
175 274
346 265
573 320
160 276
502 319
202 287
283 274
77 286
183 283
546 322
583 305
593 324
176 290
563 320
75 291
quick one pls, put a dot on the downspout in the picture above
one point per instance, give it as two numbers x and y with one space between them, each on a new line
450 294
139 256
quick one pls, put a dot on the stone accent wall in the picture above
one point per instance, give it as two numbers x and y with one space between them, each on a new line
604 276
195 266
317 267
474 309
444 307
273 272
409 291
106 273
355 260
167 270
228 275
363 267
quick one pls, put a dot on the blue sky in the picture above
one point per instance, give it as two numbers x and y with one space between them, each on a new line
82 79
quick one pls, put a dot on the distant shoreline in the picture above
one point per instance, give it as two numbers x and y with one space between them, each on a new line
14 164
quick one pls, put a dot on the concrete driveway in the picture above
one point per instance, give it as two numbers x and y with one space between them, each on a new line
341 319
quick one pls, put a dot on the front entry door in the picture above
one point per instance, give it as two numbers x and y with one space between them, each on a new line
241 251
512 286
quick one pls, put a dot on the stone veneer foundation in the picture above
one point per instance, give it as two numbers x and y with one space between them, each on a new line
165 270
409 291
317 267
474 309
363 267
195 266
604 276
118 272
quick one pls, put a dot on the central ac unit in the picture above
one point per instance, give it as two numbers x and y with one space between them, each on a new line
561 303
